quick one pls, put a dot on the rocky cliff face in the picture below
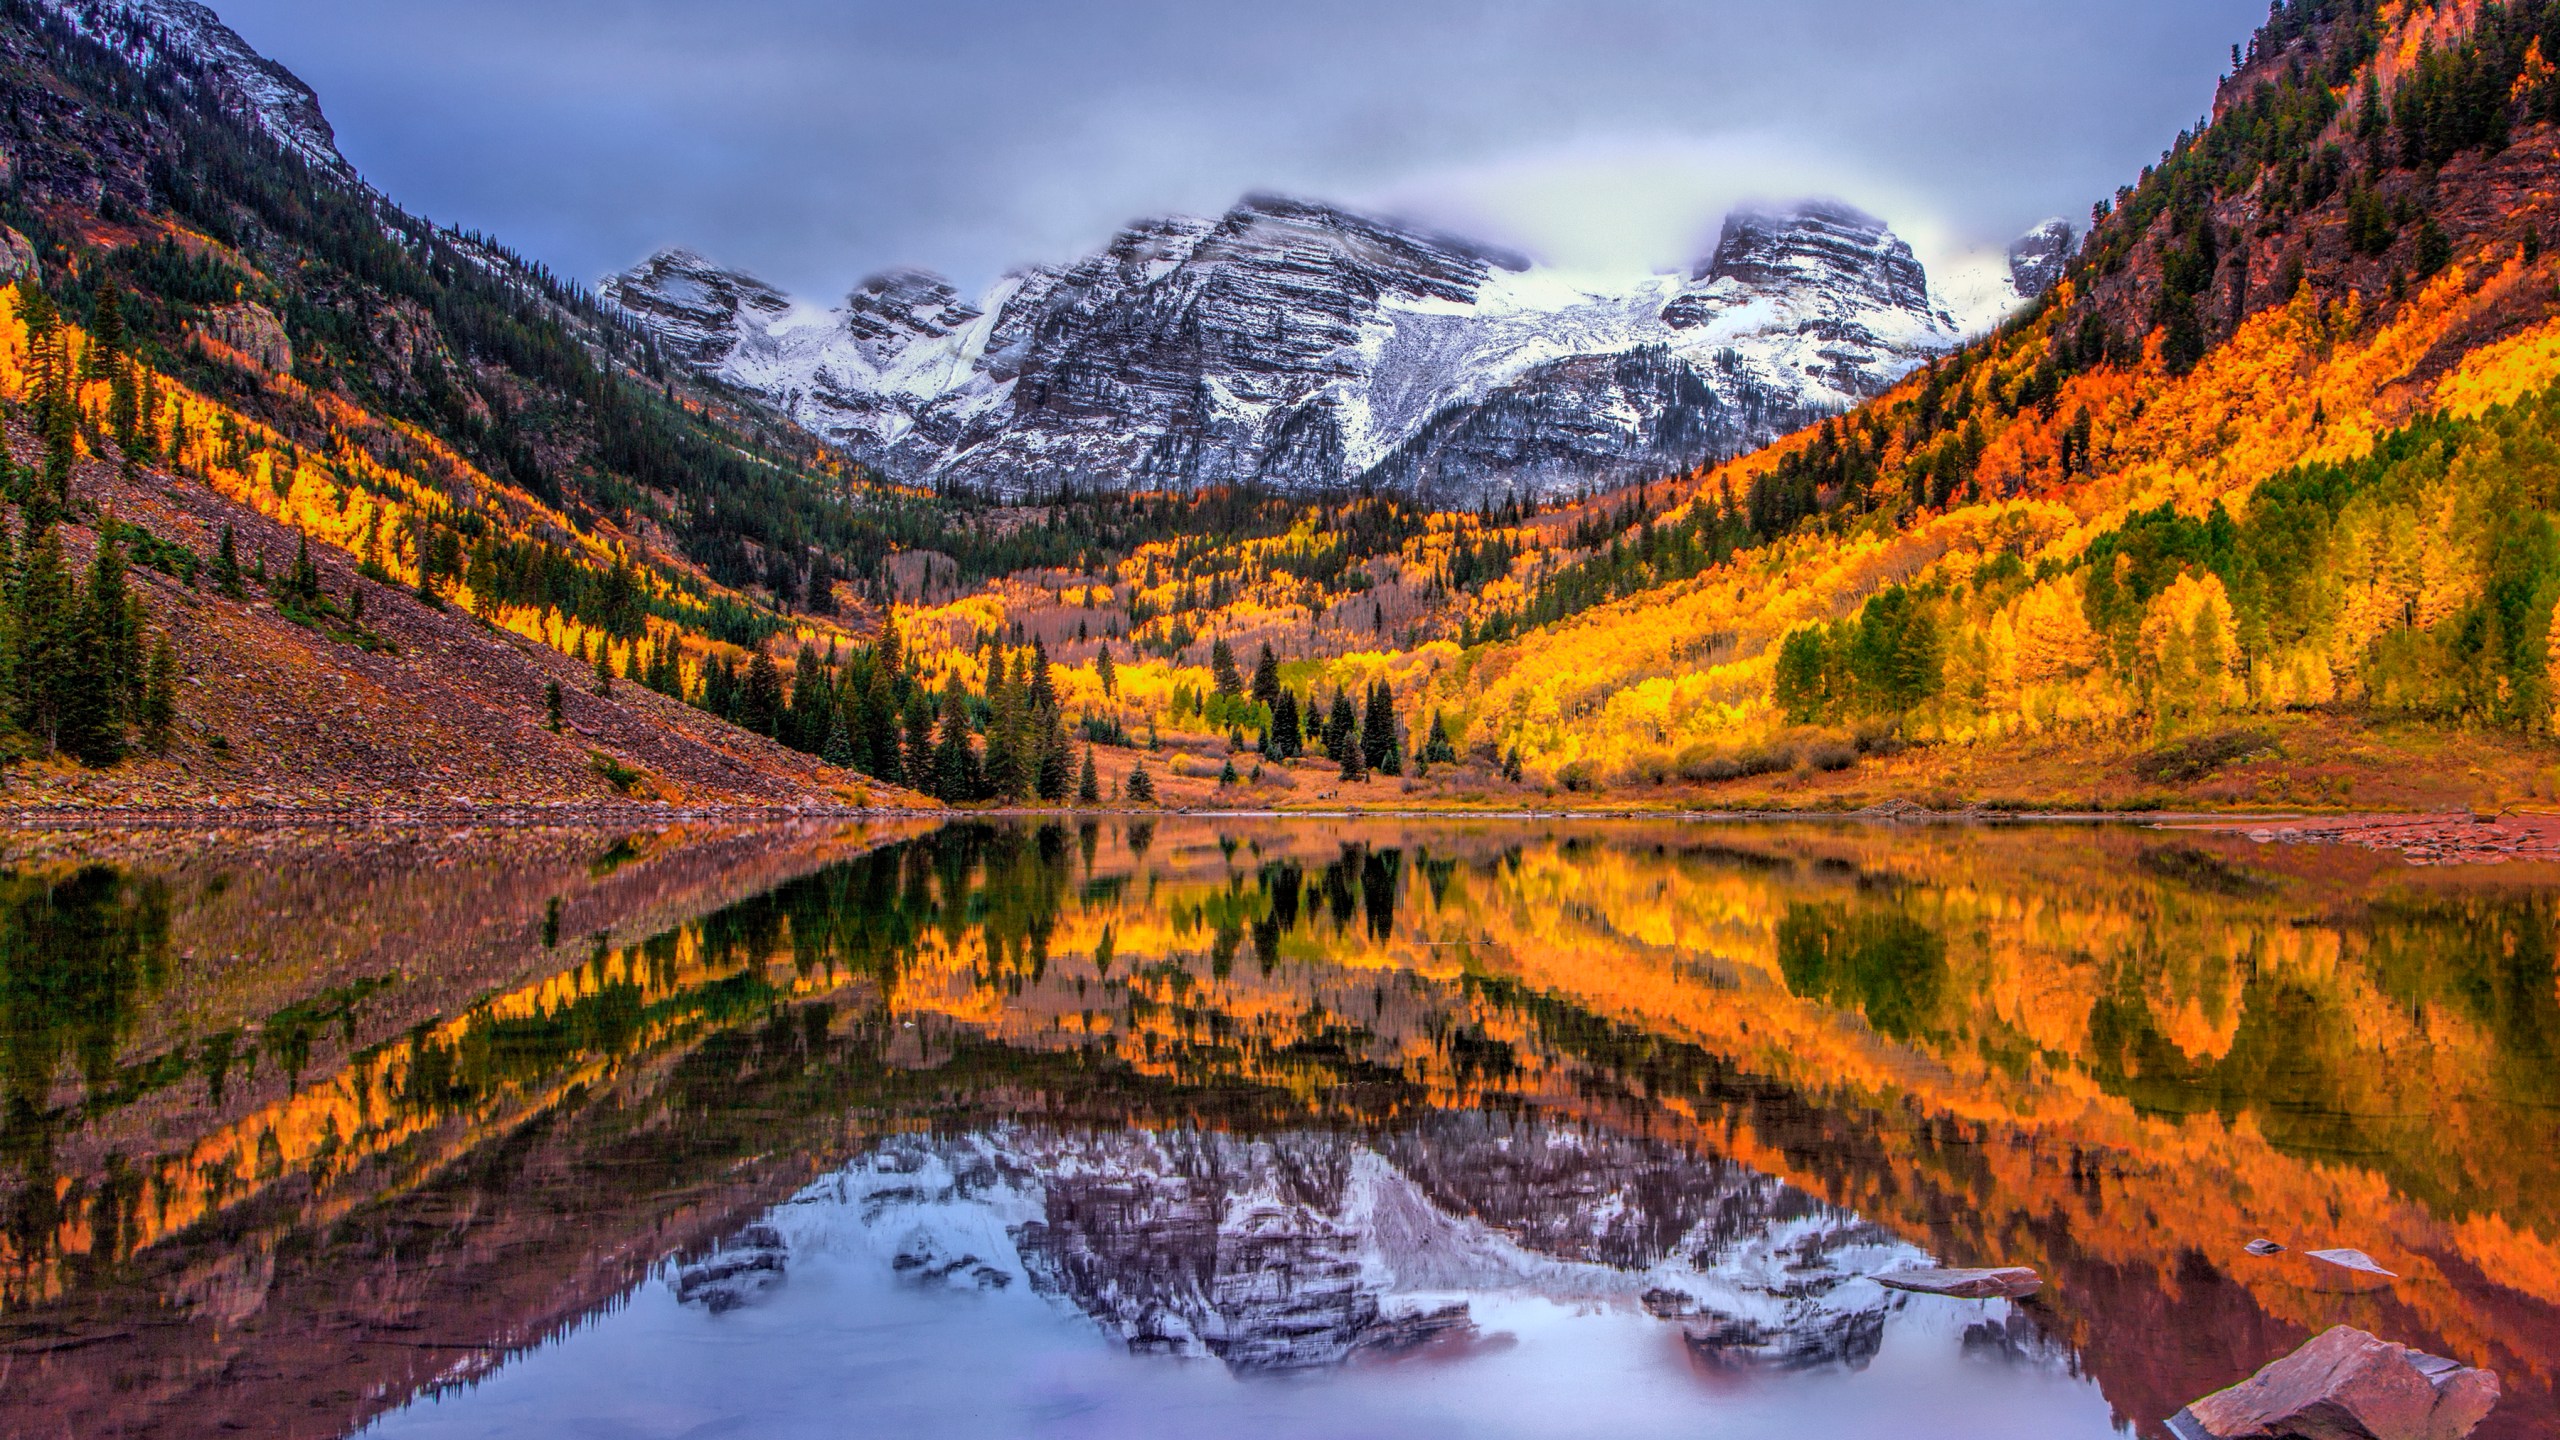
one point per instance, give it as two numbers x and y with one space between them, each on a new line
1299 346
2038 258
252 87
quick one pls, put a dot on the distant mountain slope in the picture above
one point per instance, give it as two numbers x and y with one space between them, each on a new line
211 327
239 79
2276 444
1302 347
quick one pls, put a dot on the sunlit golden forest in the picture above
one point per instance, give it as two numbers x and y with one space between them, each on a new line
2256 504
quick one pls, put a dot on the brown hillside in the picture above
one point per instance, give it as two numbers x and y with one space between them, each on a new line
274 715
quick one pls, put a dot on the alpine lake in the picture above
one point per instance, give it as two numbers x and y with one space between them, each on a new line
1253 1127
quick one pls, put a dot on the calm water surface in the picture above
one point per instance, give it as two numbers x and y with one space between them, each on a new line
1245 1128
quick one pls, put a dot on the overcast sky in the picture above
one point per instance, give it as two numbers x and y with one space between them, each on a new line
817 141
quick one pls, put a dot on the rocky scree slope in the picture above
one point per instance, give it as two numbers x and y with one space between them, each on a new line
1300 346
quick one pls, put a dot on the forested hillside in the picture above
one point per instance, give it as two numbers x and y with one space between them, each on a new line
422 489
2257 504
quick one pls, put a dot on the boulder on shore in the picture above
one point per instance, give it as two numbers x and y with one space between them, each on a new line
2009 1283
2346 1385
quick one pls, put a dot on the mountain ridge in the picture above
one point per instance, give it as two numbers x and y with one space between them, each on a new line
1304 347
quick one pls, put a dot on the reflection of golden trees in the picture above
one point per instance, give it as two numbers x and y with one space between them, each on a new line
2155 1053
2117 1055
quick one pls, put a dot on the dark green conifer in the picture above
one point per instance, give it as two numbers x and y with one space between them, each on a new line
812 709
1088 781
160 695
920 757
553 705
955 753
46 626
1142 786
1266 678
838 750
1437 749
880 752
1284 741
1223 678
760 697
1342 736
1380 749
226 566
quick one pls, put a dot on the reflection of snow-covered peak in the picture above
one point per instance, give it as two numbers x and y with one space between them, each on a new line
1309 1250
1298 345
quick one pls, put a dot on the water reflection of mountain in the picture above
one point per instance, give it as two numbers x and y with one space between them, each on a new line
1306 1250
2108 1054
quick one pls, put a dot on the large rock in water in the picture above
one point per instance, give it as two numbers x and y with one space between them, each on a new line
2008 1283
2346 1385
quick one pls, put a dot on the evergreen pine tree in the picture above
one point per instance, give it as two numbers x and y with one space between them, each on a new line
1227 773
1142 786
1053 753
1007 771
604 668
1437 749
1222 670
226 566
1284 740
839 747
760 698
804 727
1266 678
160 695
887 655
1342 733
1380 749
1103 671
955 754
89 717
879 750
116 617
106 332
55 419
553 705
920 757
302 583
1088 781
45 623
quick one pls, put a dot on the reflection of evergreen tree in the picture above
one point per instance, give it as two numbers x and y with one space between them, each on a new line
77 958
1889 965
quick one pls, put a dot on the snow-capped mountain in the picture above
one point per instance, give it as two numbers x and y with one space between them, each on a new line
1309 1250
247 84
1300 346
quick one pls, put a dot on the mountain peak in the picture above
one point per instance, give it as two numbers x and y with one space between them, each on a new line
906 303
691 303
259 91
2038 258
1764 247
1303 345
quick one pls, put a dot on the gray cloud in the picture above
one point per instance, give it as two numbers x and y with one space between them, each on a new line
815 141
